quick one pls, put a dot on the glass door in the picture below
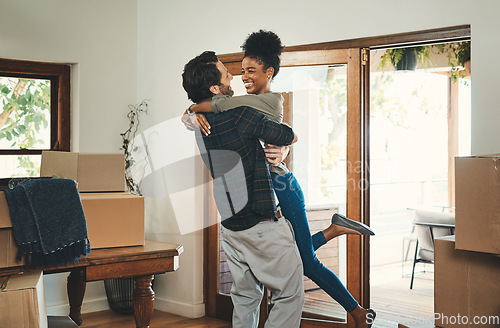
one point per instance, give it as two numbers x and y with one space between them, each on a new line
420 120
323 104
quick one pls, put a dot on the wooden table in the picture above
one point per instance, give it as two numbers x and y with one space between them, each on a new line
140 262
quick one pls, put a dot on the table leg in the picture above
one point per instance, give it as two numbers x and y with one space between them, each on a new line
76 290
144 300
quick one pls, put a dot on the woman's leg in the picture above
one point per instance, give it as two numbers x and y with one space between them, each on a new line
333 231
292 204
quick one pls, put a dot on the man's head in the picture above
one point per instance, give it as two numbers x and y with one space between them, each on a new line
205 76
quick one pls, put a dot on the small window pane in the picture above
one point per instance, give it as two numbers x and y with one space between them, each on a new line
24 114
20 166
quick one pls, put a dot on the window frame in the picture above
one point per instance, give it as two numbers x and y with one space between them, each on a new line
60 85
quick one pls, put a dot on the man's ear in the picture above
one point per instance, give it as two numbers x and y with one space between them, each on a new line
215 89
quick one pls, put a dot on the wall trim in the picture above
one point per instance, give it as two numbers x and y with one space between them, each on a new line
180 308
95 305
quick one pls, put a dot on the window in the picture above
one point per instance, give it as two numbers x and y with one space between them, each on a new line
34 114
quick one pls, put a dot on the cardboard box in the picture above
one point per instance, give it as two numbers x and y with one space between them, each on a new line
8 246
466 286
8 249
22 301
477 198
92 172
114 219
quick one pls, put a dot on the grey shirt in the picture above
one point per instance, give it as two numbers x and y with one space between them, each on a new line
269 103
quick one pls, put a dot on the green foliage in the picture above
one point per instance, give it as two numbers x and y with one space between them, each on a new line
458 54
395 55
25 105
29 167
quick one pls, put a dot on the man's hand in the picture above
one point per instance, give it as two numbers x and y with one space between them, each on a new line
276 154
192 121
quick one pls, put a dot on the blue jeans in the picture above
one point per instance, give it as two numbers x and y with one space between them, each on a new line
291 199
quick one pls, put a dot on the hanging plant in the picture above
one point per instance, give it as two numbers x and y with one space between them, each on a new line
128 145
405 58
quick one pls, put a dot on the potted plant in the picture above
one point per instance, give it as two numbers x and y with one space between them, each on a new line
405 58
119 292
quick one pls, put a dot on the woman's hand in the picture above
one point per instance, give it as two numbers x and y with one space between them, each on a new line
192 121
276 154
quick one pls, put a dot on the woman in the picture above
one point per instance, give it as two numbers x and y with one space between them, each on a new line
259 66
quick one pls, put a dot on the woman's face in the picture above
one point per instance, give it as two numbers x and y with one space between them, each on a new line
257 80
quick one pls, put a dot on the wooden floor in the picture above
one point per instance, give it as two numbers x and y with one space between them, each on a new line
109 319
391 297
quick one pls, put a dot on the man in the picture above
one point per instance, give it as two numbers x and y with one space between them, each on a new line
259 246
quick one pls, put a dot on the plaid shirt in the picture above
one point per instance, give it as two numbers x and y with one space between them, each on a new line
237 162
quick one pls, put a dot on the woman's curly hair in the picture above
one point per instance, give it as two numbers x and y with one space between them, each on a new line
265 47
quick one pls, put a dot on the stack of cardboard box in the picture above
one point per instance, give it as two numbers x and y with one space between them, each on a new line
467 265
115 218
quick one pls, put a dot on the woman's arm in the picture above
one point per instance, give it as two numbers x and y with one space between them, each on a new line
202 107
277 154
270 104
195 120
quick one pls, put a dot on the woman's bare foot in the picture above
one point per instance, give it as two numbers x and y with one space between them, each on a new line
363 318
335 230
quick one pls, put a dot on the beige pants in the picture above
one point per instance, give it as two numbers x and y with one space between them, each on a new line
265 255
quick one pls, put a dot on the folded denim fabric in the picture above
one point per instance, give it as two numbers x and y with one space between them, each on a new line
48 222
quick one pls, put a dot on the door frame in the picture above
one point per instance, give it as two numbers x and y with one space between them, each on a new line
358 206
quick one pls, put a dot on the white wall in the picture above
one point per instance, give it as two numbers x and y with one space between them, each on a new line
171 33
100 39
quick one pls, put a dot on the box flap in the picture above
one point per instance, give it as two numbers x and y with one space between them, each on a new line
447 238
23 281
60 163
101 172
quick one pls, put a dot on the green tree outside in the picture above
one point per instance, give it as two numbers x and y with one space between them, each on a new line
25 113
